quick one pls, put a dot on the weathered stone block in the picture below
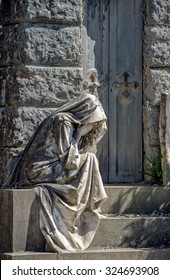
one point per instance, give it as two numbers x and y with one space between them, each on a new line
19 225
38 86
8 159
18 124
157 47
40 44
151 152
158 12
151 125
164 134
42 10
156 82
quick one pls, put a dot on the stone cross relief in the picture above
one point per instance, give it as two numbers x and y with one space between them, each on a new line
125 86
92 83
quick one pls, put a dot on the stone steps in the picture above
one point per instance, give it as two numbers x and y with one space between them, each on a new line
136 199
135 223
94 254
133 231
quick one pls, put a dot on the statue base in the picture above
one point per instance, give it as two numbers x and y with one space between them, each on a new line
19 222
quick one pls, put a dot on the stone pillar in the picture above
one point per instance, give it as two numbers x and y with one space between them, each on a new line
164 134
40 68
156 73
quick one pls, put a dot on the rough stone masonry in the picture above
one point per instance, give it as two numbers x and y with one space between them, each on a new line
41 67
156 70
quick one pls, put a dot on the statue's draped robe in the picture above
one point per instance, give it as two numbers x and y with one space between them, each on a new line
64 174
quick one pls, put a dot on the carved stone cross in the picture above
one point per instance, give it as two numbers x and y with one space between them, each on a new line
125 86
92 82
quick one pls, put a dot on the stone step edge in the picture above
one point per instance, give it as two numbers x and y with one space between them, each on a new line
138 199
135 186
104 216
122 187
97 253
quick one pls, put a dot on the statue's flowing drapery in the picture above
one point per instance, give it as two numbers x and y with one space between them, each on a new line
65 175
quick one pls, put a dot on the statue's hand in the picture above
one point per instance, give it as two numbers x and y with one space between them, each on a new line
82 130
73 159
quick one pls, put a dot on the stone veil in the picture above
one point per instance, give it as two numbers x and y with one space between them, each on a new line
58 164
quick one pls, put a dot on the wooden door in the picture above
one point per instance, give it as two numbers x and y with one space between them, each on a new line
112 44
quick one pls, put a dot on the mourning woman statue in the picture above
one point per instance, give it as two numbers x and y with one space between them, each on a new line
65 175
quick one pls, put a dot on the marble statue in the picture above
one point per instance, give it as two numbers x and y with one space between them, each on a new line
64 174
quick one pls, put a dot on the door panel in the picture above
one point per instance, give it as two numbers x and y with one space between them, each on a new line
112 36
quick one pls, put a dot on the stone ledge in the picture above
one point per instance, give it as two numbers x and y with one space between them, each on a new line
94 254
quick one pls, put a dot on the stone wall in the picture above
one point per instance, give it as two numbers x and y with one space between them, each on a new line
156 75
40 67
